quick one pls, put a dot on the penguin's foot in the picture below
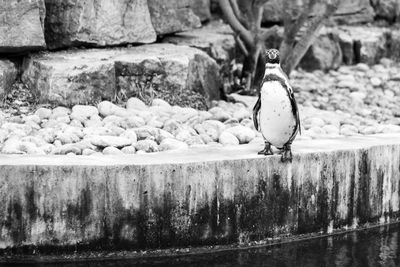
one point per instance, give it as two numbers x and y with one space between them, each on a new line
267 150
287 153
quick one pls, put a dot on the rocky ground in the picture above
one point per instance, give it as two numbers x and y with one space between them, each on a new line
354 100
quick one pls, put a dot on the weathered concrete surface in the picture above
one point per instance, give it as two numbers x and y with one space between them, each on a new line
197 197
21 25
176 74
97 23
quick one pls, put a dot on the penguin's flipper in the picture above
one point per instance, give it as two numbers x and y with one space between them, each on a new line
256 109
295 111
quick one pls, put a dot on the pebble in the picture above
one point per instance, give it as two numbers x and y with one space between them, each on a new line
131 135
129 150
350 101
43 113
160 103
135 103
242 133
172 144
106 141
82 112
227 138
112 151
107 108
147 146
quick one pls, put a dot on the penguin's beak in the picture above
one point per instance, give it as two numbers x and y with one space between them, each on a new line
273 56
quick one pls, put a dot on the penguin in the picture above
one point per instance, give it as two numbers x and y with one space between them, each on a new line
275 113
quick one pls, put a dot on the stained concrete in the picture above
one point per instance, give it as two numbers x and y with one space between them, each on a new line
197 197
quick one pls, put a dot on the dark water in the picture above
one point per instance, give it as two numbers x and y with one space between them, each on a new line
374 247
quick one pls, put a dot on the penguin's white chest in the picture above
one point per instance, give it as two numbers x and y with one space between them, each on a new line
277 122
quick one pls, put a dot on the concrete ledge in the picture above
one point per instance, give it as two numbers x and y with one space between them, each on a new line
197 197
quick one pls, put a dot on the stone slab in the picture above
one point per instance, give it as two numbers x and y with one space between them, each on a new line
22 26
177 74
198 197
97 23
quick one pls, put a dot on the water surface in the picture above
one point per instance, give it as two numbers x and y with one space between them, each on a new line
374 247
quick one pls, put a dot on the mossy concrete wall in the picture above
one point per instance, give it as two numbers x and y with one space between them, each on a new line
197 197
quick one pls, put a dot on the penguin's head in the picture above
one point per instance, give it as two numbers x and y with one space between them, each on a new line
272 56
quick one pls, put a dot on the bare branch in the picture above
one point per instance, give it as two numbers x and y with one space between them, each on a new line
307 38
235 23
259 11
242 46
238 13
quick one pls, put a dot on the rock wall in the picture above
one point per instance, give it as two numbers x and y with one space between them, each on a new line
97 23
203 197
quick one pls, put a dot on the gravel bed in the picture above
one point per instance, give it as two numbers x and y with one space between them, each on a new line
354 100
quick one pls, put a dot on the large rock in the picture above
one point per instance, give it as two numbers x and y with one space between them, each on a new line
202 8
71 77
97 23
354 12
216 39
170 16
387 9
324 54
370 43
8 75
22 25
349 12
177 74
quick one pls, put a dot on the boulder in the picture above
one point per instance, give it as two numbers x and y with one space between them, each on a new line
370 43
215 38
354 12
177 74
388 10
22 26
97 23
170 16
323 54
71 77
349 12
8 75
201 8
